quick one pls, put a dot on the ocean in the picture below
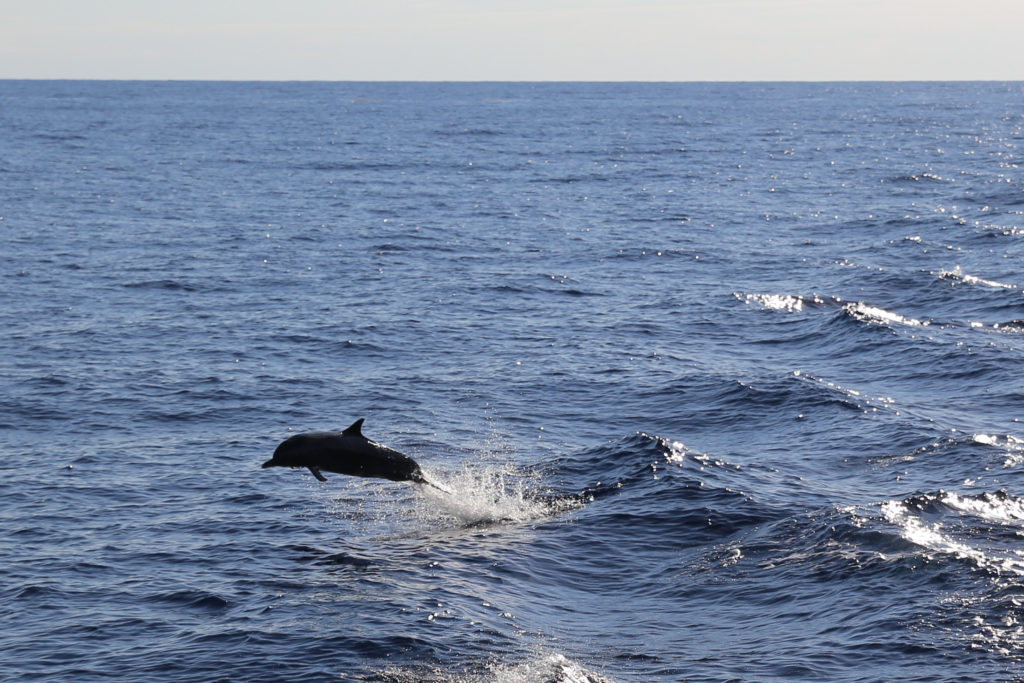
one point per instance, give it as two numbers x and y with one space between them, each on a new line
726 379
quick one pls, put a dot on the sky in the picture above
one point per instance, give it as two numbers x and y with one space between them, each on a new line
513 40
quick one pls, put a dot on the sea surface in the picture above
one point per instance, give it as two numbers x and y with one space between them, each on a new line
727 381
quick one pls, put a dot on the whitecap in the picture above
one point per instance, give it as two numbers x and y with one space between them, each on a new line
877 315
933 537
1013 446
997 507
790 303
777 302
959 275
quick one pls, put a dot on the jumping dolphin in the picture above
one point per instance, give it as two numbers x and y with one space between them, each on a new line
347 452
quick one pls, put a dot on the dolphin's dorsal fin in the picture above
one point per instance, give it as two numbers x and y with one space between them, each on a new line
356 429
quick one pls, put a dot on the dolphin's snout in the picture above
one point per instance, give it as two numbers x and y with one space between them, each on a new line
269 463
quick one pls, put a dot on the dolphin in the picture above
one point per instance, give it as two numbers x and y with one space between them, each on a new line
347 452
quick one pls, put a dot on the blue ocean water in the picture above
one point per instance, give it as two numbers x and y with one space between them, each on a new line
726 378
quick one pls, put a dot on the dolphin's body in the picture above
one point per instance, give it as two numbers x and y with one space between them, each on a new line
347 452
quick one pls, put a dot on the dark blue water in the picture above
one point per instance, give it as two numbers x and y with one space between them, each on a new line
728 381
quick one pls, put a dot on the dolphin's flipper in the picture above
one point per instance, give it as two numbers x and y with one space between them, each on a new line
356 429
316 473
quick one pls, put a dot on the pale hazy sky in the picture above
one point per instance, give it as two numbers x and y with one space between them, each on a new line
619 40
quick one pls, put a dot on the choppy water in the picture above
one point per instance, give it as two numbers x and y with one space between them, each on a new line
727 380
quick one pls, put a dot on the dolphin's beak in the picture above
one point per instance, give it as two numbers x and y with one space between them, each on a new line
269 463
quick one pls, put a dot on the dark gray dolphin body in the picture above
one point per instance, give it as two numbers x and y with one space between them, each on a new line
347 452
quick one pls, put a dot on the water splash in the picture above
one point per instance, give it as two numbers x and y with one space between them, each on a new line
490 494
554 668
538 668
